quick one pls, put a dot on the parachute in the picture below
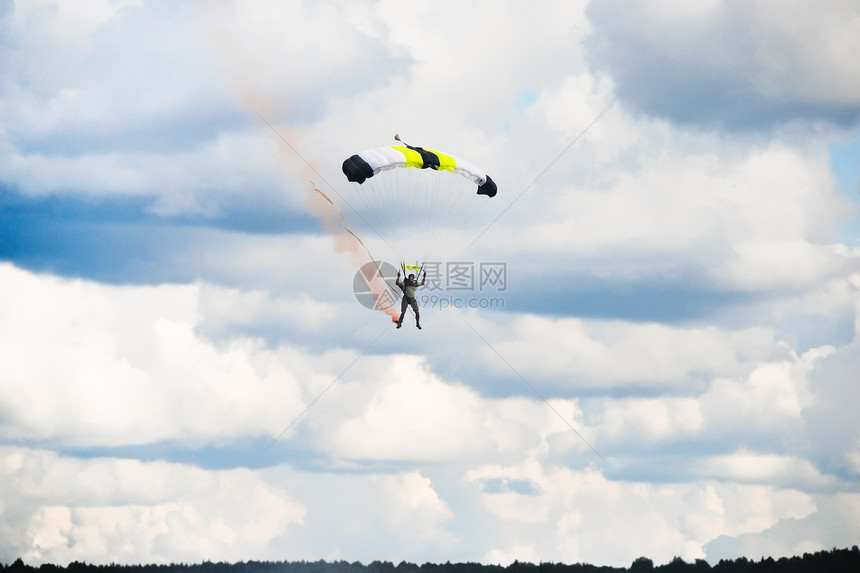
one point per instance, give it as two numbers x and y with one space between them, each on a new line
364 165
419 202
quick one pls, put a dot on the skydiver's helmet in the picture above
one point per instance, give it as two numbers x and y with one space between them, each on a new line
411 277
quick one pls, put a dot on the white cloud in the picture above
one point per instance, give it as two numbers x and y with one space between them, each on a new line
94 365
223 310
578 354
51 29
745 219
587 514
726 430
815 44
129 511
414 507
435 420
278 58
836 515
389 409
746 467
168 119
771 400
651 420
774 64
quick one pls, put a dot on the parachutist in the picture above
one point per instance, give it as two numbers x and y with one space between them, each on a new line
419 185
408 287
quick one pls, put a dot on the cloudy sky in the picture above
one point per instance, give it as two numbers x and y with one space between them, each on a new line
671 368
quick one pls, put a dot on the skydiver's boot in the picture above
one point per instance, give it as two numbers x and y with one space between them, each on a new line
417 320
400 320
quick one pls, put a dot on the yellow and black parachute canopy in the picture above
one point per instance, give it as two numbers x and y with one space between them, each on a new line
362 166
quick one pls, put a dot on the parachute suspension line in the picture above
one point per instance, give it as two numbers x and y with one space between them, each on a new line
383 202
395 207
450 202
415 199
465 206
400 195
420 197
370 206
438 205
427 202
446 204
423 213
330 186
435 199
398 210
410 192
387 192
406 208
384 195
348 230
417 231
434 211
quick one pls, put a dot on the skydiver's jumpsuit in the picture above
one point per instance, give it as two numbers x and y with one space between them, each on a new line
408 287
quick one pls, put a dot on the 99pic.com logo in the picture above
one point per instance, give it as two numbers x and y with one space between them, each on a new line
370 289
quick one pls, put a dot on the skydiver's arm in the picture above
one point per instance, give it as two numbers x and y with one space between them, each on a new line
398 282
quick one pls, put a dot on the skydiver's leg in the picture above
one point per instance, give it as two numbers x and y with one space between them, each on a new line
403 305
417 314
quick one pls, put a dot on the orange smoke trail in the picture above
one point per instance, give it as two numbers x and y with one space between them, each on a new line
330 222
240 71
381 290
376 282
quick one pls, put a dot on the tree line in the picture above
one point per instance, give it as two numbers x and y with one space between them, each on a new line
837 560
